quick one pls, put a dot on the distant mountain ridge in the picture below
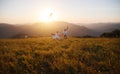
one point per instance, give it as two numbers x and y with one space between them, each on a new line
102 27
45 29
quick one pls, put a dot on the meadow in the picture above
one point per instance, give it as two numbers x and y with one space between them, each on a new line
69 56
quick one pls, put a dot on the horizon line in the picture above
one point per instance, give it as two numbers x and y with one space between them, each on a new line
55 22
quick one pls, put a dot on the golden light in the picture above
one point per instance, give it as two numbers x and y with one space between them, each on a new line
48 15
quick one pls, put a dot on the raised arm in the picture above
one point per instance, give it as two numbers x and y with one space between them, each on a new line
67 27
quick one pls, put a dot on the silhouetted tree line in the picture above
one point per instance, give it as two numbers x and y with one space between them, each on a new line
114 33
20 36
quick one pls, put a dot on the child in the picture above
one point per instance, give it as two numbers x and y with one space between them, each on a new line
57 35
53 36
65 32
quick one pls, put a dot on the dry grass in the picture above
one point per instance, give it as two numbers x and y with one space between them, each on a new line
71 56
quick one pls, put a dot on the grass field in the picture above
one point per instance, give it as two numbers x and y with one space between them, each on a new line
72 56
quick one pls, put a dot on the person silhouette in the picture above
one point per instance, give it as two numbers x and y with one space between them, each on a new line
57 35
65 33
53 36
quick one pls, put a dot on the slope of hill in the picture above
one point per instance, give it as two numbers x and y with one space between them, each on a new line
8 30
102 27
43 29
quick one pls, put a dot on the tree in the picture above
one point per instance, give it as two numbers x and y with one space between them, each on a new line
114 33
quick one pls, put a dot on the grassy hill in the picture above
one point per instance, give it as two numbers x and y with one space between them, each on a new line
72 56
43 29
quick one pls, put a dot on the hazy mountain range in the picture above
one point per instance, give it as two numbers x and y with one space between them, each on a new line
44 29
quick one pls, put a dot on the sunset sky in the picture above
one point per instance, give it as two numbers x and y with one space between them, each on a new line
74 11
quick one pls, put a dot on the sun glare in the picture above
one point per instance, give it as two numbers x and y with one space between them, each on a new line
48 15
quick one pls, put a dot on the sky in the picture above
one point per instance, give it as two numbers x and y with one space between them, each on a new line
73 11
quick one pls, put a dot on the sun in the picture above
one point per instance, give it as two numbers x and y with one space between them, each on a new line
48 15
